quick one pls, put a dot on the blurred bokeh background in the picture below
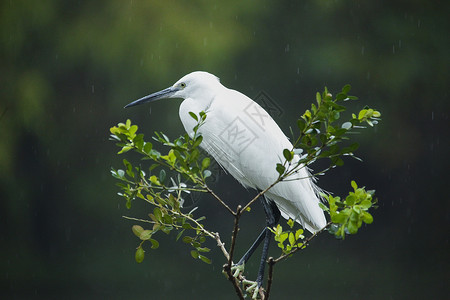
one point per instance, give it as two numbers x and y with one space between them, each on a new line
68 68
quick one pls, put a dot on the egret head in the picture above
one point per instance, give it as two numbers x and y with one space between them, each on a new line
192 85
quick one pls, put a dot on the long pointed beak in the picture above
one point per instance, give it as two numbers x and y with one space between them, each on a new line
166 93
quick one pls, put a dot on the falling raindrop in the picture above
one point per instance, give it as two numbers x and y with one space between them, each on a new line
92 89
432 116
287 48
362 50
393 49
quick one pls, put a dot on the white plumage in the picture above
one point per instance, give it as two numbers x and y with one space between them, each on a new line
244 139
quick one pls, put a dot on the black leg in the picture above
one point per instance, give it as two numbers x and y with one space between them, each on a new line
253 247
272 217
265 253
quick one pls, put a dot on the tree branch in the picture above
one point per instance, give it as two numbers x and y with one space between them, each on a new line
221 245
234 235
269 277
257 196
233 281
220 200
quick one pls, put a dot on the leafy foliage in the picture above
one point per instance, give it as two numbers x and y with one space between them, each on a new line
184 159
320 132
292 238
348 215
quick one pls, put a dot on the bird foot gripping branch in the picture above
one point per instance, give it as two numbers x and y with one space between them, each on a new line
237 269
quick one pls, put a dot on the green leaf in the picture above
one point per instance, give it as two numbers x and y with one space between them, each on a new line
146 235
323 206
137 230
339 218
155 243
291 223
341 96
139 255
203 249
197 141
366 204
128 204
350 199
346 88
125 149
280 169
362 114
157 213
318 98
206 162
207 173
336 160
367 218
179 235
138 141
347 125
307 115
187 239
194 116
162 175
154 180
282 237
147 147
301 125
204 259
194 254
187 226
289 155
352 228
291 238
299 234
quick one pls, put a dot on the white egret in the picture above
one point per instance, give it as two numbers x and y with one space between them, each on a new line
247 143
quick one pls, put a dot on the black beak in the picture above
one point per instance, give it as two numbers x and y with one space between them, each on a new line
166 93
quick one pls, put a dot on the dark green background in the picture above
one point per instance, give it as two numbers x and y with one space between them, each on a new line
67 68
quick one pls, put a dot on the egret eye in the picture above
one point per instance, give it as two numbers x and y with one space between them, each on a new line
183 85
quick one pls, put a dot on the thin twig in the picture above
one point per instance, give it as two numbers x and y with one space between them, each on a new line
234 234
258 195
220 200
269 277
233 281
221 245
228 265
